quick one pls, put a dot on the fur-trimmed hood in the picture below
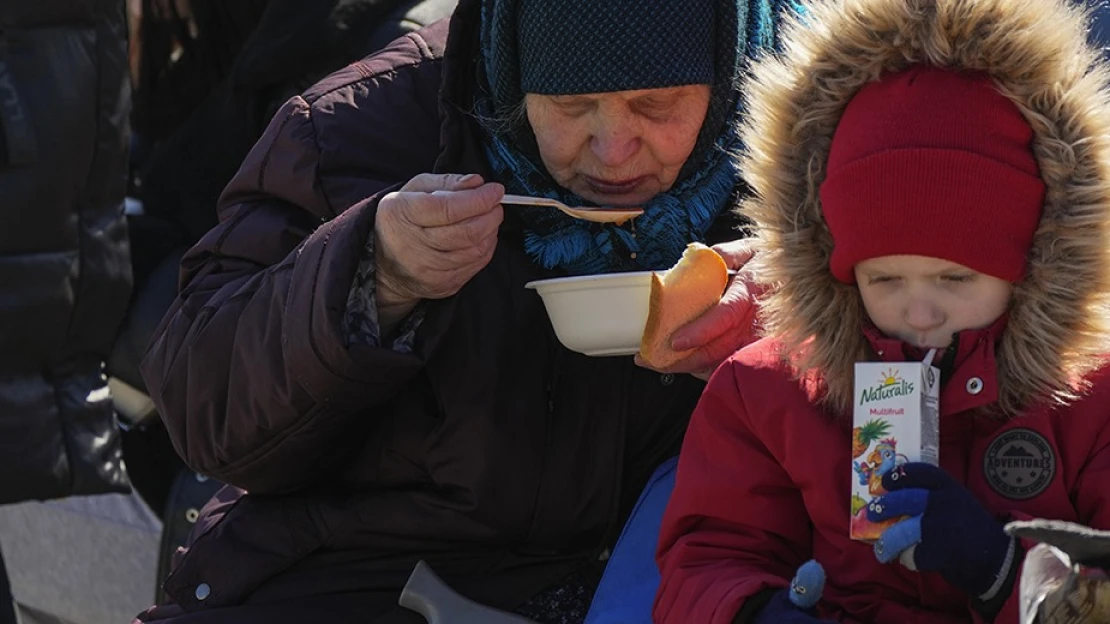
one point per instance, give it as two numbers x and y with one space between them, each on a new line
1036 51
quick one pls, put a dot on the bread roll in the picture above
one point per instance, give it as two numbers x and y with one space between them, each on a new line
687 291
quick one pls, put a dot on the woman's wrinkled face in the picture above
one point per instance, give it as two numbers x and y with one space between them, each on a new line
923 301
620 148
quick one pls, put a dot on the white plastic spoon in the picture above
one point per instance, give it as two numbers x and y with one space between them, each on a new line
588 213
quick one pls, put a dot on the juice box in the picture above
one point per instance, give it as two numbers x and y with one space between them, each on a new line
895 420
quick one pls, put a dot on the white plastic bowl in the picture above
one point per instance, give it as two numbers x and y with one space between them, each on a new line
598 314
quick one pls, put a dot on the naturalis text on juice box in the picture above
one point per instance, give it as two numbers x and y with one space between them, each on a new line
894 421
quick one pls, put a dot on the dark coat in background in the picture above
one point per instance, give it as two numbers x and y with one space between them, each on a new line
65 275
200 115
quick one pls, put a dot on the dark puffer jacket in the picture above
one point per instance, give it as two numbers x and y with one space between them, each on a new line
64 269
503 459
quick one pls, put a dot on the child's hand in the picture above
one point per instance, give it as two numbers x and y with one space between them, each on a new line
795 605
947 531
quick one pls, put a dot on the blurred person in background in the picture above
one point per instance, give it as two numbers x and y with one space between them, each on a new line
206 81
208 77
65 273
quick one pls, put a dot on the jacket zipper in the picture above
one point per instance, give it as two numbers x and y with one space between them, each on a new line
548 429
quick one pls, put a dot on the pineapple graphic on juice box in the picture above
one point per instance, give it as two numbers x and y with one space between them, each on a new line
895 420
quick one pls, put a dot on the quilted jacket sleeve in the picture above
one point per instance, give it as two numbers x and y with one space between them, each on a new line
251 369
736 524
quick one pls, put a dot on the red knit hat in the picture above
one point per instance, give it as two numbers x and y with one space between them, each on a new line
936 163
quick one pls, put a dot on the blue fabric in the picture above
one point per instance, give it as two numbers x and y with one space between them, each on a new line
670 221
627 589
903 535
948 528
796 604
808 585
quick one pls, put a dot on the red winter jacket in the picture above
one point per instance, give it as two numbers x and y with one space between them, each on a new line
764 477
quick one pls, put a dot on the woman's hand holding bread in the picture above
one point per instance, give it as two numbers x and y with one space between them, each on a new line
692 326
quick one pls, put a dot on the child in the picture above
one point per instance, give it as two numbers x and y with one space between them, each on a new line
927 174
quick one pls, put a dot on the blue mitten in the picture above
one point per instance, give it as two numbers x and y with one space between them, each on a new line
795 605
947 531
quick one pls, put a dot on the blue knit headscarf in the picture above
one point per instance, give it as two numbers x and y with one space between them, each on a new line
593 46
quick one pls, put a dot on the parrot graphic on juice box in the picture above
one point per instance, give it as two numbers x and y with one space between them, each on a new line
875 450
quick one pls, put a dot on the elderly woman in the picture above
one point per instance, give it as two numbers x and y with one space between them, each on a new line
353 345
